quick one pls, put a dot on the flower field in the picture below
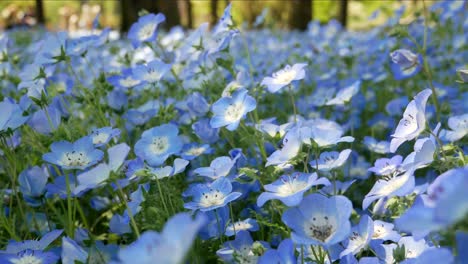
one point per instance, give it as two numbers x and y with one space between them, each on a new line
234 145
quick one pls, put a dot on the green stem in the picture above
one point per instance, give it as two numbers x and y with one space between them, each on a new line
161 196
293 103
70 227
130 214
220 230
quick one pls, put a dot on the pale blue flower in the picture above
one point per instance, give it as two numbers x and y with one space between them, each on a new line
284 77
290 188
229 111
326 223
158 143
413 122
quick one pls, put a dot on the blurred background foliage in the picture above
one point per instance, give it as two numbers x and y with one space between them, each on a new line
283 14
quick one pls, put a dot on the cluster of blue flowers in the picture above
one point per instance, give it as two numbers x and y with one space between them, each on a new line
233 145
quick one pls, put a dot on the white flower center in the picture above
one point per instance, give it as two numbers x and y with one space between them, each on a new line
245 256
214 197
146 31
196 151
129 82
321 227
99 138
152 75
27 259
234 112
284 76
379 232
159 145
75 158
291 186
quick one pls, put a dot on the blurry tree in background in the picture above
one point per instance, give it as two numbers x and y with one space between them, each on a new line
121 14
300 14
343 16
40 12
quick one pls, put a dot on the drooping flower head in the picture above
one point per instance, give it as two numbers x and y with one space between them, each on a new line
228 111
284 77
405 63
319 220
158 143
413 122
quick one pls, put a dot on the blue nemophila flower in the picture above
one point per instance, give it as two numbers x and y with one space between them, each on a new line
145 29
413 122
330 160
385 166
361 235
240 250
228 111
412 250
269 127
72 252
30 256
463 73
381 147
458 126
15 247
283 255
444 204
219 167
396 185
344 95
170 246
290 188
210 196
246 225
216 221
205 132
326 132
102 136
32 183
44 124
423 154
158 143
151 72
197 104
284 77
383 231
319 220
168 171
80 154
405 63
12 115
292 143
194 150
97 176
125 80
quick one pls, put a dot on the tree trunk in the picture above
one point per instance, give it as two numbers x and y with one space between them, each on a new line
185 11
300 14
170 9
343 16
129 11
40 12
214 12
